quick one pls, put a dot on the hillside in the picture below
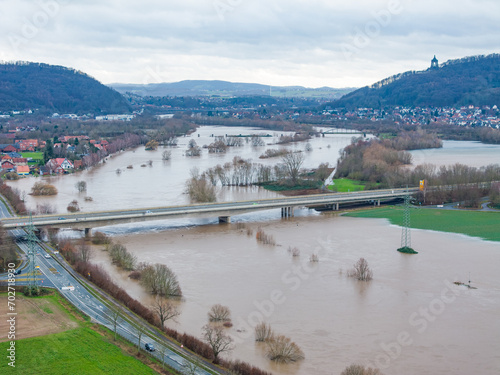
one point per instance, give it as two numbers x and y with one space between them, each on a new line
25 85
226 89
468 81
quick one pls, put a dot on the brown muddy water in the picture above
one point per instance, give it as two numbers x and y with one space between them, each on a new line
410 319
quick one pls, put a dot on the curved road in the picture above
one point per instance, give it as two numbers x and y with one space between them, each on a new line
57 274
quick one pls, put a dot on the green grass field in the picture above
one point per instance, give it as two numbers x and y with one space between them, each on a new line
81 350
485 225
33 155
344 185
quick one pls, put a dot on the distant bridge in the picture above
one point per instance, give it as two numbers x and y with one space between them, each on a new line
342 131
224 210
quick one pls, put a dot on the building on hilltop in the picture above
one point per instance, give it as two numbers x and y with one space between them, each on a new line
434 63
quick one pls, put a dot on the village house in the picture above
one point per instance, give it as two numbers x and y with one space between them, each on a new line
23 170
27 144
60 165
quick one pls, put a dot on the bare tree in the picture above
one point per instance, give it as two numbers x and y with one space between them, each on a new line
114 318
190 368
45 208
140 332
162 349
263 332
166 155
85 251
164 309
257 141
81 186
219 313
193 149
122 257
199 188
218 340
292 162
281 349
361 270
160 280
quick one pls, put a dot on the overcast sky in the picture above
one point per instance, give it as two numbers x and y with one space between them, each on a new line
311 43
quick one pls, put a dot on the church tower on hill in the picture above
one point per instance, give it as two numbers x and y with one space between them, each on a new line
434 63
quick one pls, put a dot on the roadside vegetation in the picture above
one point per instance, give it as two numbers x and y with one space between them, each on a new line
13 196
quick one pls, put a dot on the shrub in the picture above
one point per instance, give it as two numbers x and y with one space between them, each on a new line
314 258
122 257
100 238
360 370
293 251
281 349
219 313
81 186
12 176
266 239
73 206
263 332
43 188
361 271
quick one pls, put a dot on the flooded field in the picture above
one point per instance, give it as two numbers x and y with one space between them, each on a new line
410 319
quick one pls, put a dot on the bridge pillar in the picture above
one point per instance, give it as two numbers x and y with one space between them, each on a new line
88 233
337 205
378 203
287 211
224 219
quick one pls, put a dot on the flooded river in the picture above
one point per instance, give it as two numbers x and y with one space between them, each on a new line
410 319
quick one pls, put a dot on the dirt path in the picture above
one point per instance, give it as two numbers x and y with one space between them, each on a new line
35 317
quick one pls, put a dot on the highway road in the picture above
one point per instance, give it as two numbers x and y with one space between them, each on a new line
56 273
82 220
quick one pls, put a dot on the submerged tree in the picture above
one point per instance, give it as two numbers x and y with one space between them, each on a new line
361 270
281 349
219 313
218 340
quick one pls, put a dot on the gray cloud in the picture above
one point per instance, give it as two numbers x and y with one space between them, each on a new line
311 43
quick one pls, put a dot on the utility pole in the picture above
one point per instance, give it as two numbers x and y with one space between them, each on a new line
32 270
406 231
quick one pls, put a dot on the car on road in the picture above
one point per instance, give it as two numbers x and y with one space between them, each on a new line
47 256
61 218
149 347
147 212
18 271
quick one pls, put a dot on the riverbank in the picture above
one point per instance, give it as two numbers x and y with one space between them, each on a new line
482 224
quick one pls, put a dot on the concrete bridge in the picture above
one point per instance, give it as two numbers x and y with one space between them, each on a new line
224 210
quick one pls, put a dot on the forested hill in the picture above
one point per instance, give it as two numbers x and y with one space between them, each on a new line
25 85
471 80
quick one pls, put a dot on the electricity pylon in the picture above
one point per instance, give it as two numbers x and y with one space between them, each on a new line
32 270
